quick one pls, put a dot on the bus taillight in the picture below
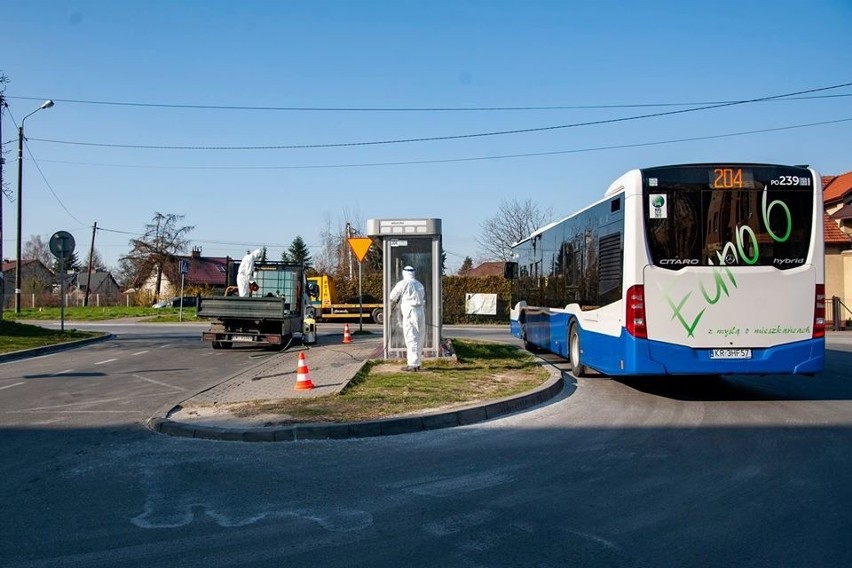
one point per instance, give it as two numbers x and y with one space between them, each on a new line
635 316
819 311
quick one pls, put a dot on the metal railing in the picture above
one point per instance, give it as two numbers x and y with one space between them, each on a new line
838 314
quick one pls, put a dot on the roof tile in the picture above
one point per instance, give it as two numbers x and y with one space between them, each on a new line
835 188
833 234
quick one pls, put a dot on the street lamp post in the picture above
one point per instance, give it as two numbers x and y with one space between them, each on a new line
46 104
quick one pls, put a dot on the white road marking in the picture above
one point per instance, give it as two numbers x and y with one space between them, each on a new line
63 372
10 386
107 361
140 377
139 353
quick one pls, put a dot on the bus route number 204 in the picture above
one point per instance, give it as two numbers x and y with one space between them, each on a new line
731 178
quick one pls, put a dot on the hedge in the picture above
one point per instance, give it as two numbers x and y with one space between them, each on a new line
455 289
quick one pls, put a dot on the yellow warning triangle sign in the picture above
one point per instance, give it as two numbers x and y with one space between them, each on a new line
360 246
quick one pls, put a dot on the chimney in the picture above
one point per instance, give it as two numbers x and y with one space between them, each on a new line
196 252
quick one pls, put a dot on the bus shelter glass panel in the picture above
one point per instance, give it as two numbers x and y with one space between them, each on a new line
416 252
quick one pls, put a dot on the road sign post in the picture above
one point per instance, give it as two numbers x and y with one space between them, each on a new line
360 246
184 269
62 246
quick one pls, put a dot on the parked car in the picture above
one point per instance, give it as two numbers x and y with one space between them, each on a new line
188 302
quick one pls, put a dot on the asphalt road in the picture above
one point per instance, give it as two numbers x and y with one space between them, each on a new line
742 472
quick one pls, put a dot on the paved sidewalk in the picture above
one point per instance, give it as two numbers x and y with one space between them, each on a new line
331 367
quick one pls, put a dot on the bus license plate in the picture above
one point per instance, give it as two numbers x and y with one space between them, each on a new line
730 353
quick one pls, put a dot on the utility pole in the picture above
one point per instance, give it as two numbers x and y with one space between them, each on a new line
91 258
347 249
2 198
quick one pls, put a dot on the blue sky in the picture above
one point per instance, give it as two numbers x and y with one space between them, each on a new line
394 55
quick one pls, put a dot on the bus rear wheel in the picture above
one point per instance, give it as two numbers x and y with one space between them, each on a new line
577 366
527 345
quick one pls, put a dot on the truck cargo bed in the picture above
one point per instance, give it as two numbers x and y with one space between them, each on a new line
238 307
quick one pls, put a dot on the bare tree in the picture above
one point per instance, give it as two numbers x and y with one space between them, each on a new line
127 270
36 249
326 260
163 239
514 221
335 256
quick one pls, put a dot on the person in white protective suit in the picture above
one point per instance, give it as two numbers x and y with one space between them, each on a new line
246 271
411 296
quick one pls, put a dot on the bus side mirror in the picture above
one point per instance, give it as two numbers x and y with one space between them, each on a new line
510 270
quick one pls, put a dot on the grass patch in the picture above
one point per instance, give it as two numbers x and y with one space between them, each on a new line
95 313
173 315
18 336
483 372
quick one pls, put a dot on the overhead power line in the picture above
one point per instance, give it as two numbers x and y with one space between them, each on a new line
403 109
449 137
465 159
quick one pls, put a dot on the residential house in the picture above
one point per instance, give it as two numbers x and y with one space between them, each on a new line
837 198
103 291
36 283
491 268
209 273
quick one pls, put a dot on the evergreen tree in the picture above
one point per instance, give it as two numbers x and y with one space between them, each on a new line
298 252
467 266
373 261
72 264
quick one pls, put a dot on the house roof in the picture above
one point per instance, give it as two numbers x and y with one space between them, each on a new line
833 234
11 264
99 280
835 188
844 212
491 268
203 270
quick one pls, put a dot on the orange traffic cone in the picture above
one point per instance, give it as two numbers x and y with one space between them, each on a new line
347 337
303 375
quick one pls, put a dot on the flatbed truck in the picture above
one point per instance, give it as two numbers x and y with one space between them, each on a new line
324 305
272 316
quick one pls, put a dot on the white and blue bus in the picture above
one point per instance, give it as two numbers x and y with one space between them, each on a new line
693 269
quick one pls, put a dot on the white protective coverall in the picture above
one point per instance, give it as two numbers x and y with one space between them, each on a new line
412 297
246 270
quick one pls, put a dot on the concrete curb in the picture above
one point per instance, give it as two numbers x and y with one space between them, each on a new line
386 427
47 349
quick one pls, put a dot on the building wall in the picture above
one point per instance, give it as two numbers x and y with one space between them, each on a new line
167 290
36 281
834 275
846 282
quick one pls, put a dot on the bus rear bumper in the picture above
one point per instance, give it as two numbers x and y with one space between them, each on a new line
800 358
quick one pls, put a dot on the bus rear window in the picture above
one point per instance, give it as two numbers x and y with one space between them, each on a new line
728 215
